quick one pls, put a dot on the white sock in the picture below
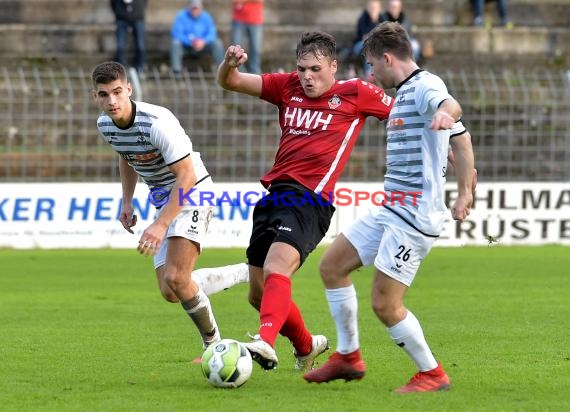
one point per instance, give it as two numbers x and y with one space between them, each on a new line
214 280
200 311
408 334
343 306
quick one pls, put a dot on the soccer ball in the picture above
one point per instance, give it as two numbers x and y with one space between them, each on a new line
227 364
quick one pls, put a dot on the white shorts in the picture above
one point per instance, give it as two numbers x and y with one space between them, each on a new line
191 223
395 248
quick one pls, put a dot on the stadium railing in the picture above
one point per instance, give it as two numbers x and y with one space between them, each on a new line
518 119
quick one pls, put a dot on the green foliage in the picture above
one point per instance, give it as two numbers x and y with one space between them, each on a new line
88 331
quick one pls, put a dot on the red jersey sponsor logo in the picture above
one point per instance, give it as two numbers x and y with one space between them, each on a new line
309 119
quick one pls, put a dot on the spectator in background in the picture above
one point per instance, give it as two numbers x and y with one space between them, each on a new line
478 11
247 20
395 13
130 13
369 18
194 32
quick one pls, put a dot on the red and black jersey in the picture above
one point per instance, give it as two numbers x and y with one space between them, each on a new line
318 134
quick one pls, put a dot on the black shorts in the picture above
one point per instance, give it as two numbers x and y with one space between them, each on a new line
292 214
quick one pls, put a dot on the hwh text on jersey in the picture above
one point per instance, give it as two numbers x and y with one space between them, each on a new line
297 117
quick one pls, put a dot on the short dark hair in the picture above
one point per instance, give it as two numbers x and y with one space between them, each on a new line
317 43
108 72
388 37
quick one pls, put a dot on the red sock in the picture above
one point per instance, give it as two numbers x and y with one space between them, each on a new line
294 329
275 305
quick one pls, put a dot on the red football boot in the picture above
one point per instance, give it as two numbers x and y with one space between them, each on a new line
347 367
430 381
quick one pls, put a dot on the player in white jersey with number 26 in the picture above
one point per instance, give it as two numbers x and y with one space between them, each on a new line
152 145
396 237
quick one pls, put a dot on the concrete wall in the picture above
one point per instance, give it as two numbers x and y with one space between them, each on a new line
278 12
97 42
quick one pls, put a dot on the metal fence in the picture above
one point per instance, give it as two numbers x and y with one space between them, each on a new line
519 121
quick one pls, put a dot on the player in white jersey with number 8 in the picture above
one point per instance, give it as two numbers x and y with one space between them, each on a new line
397 237
152 145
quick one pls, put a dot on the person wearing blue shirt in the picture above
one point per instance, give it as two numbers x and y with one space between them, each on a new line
194 32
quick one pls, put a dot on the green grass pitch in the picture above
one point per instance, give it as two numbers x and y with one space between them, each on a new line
87 330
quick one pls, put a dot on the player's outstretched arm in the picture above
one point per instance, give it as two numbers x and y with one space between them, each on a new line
230 78
463 162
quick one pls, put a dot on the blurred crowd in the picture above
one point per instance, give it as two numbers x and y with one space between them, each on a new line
194 32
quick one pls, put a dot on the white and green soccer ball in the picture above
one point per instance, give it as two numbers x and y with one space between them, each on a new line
227 364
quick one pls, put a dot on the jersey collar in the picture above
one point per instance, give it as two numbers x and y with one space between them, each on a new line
409 77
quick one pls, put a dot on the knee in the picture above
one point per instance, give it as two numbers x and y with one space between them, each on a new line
271 267
330 272
174 281
285 266
268 269
386 311
168 295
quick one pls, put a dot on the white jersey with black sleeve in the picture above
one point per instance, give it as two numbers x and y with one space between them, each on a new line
416 157
153 141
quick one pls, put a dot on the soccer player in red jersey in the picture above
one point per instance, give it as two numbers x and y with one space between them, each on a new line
320 120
